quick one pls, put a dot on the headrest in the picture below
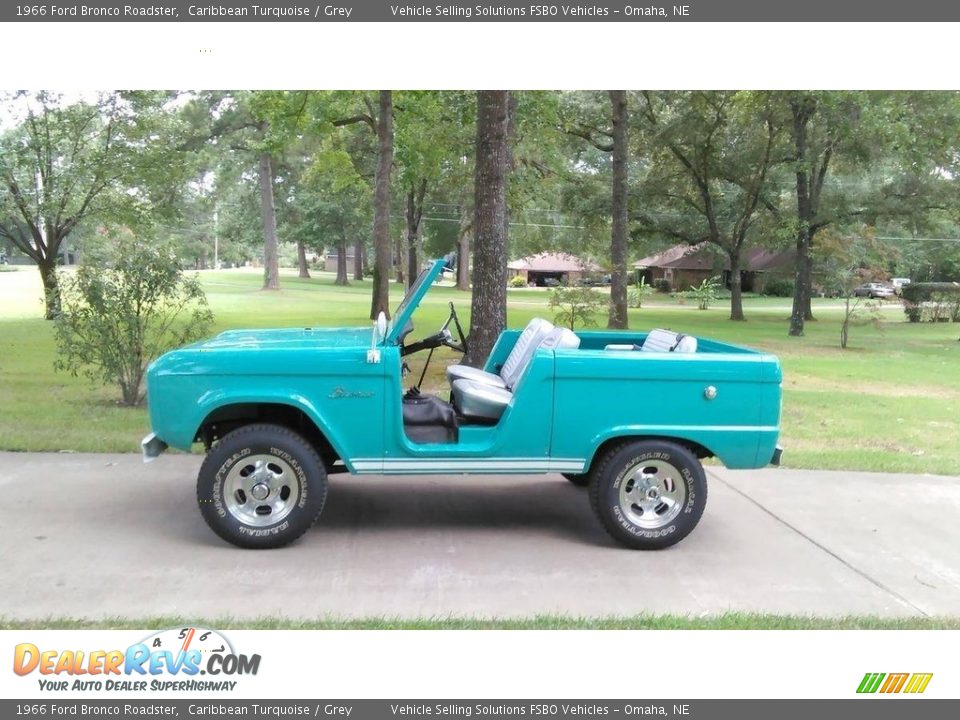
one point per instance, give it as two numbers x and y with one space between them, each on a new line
561 338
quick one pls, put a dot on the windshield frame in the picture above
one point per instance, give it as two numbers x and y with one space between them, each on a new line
411 300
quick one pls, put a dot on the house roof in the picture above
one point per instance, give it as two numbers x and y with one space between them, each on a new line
705 257
554 262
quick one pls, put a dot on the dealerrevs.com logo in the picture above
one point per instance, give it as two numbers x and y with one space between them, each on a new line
169 660
892 683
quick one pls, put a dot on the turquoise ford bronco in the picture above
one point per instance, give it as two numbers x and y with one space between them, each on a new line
628 414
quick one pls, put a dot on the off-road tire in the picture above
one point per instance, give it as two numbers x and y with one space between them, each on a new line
296 453
580 480
610 473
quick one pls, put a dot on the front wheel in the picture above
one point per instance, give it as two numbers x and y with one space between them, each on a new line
261 486
649 494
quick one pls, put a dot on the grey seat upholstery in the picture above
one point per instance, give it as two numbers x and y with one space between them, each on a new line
476 400
660 340
523 349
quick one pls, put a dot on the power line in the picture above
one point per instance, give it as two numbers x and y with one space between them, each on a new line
516 224
923 239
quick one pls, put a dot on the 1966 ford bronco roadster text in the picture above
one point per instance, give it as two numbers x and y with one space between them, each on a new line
629 414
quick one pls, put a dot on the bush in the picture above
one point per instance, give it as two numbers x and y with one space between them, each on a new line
662 285
122 309
931 301
517 281
576 306
638 293
778 287
705 293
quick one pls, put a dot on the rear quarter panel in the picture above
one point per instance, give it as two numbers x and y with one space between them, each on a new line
601 395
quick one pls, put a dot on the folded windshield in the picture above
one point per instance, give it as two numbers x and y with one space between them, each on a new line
411 293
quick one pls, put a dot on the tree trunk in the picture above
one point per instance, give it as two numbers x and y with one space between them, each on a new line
808 185
489 305
358 262
801 286
414 214
51 287
617 318
302 260
736 286
271 260
399 254
380 300
342 262
463 253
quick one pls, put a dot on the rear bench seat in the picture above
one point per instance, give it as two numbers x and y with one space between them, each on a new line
662 341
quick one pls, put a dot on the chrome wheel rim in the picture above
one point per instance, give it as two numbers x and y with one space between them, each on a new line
261 490
652 494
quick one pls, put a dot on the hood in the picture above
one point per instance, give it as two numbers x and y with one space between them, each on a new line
287 338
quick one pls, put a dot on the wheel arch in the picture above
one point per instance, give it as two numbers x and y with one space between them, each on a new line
601 448
232 414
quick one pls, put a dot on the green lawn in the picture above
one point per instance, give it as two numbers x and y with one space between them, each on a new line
889 403
726 621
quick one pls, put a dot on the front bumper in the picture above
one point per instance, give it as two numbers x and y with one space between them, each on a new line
152 447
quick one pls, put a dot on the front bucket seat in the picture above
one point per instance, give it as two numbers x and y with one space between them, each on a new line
478 401
531 337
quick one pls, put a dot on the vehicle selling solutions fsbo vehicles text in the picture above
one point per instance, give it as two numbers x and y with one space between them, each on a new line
535 11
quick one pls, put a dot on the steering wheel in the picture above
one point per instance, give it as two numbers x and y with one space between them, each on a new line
447 335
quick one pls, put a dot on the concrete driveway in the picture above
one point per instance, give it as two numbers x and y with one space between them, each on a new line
103 535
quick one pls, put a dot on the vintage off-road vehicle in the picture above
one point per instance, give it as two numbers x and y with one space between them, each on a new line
629 414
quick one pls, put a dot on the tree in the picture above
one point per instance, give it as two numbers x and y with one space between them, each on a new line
575 306
715 151
268 211
489 304
613 143
123 308
65 164
336 203
858 157
618 242
380 300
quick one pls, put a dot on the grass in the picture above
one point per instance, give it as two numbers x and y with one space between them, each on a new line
888 403
726 621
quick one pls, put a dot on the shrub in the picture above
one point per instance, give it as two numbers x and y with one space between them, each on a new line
517 281
705 293
662 285
931 301
638 293
123 308
576 306
778 287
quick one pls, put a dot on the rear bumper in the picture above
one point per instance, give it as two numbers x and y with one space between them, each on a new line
777 454
152 447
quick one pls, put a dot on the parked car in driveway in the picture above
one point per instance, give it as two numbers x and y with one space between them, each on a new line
873 290
899 284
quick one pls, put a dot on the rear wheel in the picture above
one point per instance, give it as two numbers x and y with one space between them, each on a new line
648 494
261 486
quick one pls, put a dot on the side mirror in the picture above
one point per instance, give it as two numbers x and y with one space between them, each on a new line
381 326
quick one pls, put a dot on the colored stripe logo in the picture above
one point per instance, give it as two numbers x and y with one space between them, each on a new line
912 683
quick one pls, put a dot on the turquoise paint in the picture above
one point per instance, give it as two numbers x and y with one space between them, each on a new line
567 405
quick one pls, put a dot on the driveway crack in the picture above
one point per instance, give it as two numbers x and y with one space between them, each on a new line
870 579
